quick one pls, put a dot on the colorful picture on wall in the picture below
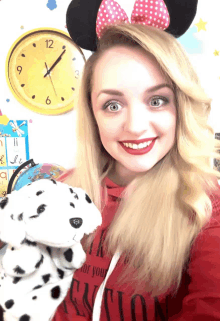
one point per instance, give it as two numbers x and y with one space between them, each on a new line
14 150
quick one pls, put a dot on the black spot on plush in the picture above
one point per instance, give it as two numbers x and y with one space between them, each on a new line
20 217
39 192
61 273
34 297
19 270
41 209
48 250
4 202
55 292
9 304
37 287
53 181
68 255
40 262
16 280
71 204
88 199
25 317
46 278
71 190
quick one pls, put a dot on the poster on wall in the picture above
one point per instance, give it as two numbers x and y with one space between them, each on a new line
14 150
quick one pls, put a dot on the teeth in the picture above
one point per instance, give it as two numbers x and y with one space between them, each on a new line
139 146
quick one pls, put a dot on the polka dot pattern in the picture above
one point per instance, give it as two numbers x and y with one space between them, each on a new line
109 13
145 12
151 12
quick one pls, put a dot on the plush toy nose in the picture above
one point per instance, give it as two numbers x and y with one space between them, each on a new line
76 222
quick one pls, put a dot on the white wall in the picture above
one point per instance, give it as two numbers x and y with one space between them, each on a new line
52 138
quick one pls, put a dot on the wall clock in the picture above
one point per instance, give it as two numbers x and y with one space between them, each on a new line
43 70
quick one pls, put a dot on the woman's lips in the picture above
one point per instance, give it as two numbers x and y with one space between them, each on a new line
138 151
144 140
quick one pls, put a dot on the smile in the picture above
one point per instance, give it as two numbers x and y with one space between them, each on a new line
137 146
139 149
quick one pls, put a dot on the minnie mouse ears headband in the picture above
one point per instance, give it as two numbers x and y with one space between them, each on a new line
86 19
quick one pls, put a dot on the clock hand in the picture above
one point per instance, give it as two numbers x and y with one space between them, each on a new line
55 63
50 79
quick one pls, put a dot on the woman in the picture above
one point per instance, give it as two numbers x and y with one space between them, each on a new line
160 204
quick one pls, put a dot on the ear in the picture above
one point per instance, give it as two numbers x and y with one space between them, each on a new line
92 214
94 218
12 226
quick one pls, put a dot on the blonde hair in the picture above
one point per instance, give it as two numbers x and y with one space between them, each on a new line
164 209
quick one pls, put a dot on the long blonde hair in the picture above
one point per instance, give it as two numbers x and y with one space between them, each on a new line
164 209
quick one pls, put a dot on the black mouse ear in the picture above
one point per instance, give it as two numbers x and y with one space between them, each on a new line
182 13
81 22
82 15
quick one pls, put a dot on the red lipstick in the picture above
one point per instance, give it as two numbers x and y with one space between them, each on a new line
139 151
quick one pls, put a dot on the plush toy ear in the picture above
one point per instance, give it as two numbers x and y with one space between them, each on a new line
12 226
92 214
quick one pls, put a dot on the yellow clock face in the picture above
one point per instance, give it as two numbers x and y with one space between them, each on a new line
43 70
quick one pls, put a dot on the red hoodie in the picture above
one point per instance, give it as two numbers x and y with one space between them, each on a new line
198 298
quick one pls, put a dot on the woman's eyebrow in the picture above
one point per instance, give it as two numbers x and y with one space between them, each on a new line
119 93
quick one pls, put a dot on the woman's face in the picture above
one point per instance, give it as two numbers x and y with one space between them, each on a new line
131 101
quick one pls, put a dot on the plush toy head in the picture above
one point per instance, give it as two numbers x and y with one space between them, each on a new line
48 212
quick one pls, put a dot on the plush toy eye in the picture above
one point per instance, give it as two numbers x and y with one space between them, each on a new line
41 209
76 222
39 192
72 192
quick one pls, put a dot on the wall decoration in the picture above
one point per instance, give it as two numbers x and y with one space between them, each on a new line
14 150
201 25
43 69
51 4
190 42
4 119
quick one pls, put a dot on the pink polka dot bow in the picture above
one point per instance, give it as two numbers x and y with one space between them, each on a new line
145 12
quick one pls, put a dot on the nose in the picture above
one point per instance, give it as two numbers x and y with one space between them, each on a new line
76 222
138 119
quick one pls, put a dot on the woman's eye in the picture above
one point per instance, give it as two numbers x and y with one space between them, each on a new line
113 106
158 101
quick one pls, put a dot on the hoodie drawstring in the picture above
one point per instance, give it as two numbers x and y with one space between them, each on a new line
98 300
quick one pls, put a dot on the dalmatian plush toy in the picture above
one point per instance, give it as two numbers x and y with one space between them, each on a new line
43 224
